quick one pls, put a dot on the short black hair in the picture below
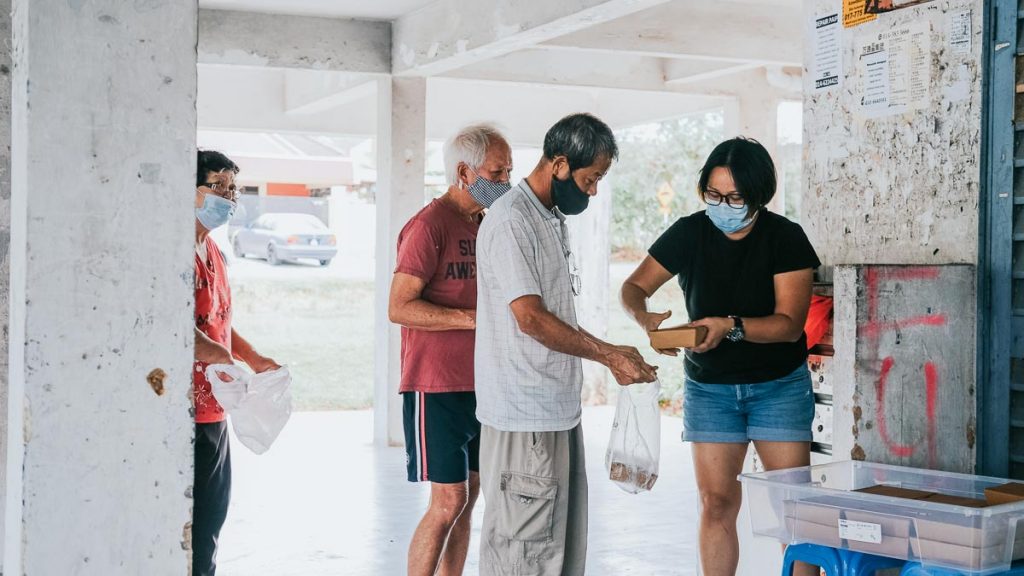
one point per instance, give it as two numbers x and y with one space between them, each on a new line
212 161
582 139
752 170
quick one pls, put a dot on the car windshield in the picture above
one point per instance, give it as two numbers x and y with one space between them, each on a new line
295 222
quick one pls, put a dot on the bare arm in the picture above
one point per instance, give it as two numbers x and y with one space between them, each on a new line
407 307
210 352
536 321
786 324
638 288
244 351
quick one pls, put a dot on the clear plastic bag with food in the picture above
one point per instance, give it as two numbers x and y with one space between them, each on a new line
634 449
259 404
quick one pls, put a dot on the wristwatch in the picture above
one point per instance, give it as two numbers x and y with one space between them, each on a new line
736 333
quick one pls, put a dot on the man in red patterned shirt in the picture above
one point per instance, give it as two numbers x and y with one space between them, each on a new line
216 343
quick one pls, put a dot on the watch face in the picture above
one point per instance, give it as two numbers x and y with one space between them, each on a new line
735 335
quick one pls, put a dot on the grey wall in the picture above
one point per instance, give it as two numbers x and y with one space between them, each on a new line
901 188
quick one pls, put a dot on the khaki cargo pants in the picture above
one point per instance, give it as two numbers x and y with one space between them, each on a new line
535 516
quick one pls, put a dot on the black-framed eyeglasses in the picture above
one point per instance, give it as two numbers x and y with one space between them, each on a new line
228 192
733 200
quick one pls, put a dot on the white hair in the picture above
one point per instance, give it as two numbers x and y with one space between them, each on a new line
468 146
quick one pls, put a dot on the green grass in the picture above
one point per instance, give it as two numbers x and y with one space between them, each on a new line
323 331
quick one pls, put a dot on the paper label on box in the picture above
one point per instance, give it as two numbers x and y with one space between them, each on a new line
860 531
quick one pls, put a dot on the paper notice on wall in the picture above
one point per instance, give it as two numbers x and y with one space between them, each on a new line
828 56
894 70
853 13
959 30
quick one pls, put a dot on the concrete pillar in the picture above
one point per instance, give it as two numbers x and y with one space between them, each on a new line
592 247
401 151
5 234
904 384
99 462
755 115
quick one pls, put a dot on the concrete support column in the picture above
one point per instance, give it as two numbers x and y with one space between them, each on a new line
5 234
401 151
904 389
755 115
99 459
591 245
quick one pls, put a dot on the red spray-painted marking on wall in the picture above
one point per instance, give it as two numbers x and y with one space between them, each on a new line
872 329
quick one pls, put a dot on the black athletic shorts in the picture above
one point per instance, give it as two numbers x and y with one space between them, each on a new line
442 436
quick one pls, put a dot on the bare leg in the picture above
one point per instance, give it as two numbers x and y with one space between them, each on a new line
779 455
454 557
447 501
717 466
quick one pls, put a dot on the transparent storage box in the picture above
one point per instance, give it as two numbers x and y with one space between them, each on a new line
817 504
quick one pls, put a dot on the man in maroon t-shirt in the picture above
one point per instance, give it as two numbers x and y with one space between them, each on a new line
433 297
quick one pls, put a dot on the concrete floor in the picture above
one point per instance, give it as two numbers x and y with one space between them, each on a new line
324 501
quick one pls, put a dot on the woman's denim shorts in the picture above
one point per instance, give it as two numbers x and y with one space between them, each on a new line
775 411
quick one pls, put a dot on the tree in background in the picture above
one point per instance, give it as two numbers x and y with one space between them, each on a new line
651 156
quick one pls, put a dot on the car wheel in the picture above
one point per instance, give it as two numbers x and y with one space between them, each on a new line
237 249
272 258
325 262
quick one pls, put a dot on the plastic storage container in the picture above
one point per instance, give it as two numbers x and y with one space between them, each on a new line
817 504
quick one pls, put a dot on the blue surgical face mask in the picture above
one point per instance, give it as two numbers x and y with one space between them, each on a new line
729 219
487 192
215 212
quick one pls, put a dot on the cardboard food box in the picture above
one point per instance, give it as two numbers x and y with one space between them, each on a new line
808 521
896 492
967 532
970 557
957 543
677 337
1005 494
807 531
894 529
891 546
958 501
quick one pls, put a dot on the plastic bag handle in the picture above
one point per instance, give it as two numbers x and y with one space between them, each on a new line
235 371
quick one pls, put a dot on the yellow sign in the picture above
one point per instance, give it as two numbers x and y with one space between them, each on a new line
853 13
665 195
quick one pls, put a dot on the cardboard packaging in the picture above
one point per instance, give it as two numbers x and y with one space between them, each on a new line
896 492
960 543
677 337
808 521
1005 494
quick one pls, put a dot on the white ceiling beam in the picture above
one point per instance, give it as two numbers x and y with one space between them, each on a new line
564 68
609 70
313 92
718 31
450 34
264 40
680 73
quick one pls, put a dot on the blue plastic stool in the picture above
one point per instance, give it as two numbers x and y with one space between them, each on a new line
861 564
822 556
916 569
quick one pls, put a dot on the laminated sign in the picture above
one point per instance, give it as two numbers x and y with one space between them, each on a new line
828 58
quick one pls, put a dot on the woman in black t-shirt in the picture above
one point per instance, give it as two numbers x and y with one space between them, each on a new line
746 276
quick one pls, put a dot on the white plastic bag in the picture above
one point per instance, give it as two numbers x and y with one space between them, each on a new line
635 446
259 404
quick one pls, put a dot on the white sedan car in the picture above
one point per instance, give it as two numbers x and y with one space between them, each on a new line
283 237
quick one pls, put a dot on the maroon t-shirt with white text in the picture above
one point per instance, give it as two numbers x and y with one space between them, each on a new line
438 246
